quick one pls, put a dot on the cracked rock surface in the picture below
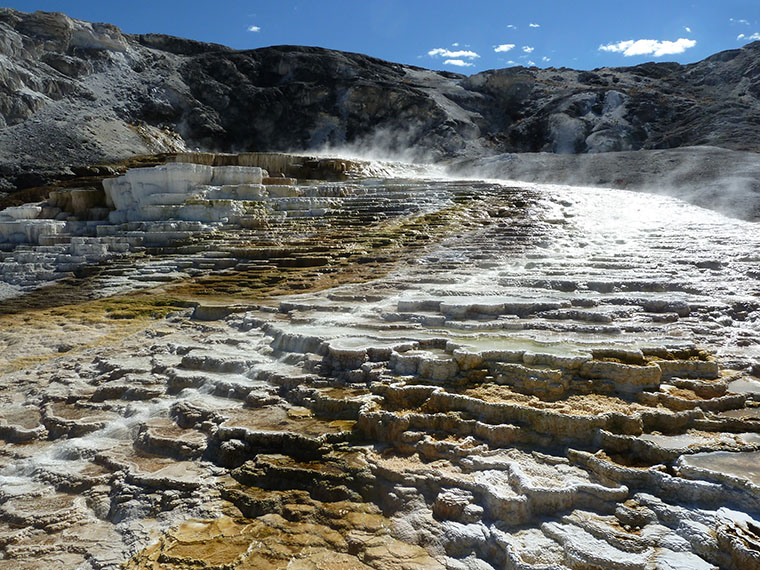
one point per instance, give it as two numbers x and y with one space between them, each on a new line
549 377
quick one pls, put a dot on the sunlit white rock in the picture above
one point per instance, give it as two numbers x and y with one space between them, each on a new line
224 175
23 212
29 231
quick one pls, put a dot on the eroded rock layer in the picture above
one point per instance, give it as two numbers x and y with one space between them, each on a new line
545 378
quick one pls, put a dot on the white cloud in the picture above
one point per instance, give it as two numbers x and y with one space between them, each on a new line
546 58
528 49
534 25
503 47
531 63
442 52
455 44
512 62
254 28
649 47
734 21
752 38
687 28
458 63
511 26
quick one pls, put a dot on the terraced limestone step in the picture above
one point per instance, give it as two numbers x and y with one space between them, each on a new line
559 381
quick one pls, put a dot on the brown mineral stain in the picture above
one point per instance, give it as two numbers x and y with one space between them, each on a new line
271 541
67 317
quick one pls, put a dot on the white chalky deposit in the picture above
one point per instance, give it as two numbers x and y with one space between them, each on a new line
549 377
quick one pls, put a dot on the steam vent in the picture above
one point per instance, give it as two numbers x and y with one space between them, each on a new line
279 361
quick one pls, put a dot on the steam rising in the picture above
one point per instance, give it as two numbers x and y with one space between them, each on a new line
386 144
718 179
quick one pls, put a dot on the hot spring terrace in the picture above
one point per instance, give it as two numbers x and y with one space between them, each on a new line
246 366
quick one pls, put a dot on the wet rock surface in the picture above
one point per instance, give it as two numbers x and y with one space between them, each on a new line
501 377
708 176
206 218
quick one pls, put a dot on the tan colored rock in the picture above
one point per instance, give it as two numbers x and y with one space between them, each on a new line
625 376
688 368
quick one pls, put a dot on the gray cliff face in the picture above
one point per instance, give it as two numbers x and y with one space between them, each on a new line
303 98
649 106
75 93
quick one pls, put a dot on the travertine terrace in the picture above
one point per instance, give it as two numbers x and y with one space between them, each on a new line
265 361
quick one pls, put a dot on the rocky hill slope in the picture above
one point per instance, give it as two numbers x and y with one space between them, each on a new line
75 93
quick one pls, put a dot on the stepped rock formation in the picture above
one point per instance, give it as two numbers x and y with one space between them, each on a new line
78 94
474 375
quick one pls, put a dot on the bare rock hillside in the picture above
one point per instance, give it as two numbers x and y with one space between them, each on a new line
74 93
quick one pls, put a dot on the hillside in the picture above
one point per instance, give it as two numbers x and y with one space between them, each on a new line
75 93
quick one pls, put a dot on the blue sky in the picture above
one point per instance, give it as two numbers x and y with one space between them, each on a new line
465 36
